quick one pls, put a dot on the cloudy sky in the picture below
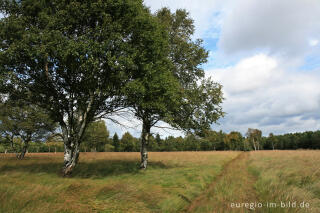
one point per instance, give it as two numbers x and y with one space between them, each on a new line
266 54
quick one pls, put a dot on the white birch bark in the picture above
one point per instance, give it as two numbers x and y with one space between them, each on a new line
254 145
144 144
72 138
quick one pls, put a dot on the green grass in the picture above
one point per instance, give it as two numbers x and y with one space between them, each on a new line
287 176
174 182
107 182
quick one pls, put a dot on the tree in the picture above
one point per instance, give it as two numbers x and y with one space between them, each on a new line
96 136
154 89
254 135
234 141
73 57
115 142
128 143
150 98
271 141
200 101
24 122
170 91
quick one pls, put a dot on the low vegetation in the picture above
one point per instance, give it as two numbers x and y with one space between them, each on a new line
288 176
174 182
107 182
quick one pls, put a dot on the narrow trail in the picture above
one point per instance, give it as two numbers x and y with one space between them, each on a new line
233 185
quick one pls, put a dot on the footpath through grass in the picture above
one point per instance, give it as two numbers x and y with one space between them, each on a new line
217 182
265 181
108 182
233 185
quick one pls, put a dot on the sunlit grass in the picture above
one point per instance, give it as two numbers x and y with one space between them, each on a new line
233 185
173 182
284 176
107 182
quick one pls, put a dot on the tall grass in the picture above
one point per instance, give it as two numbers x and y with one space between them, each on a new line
287 176
107 182
173 182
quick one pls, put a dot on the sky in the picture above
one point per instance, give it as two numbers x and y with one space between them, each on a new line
266 54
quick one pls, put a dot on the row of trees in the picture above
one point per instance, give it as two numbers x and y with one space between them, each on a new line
213 140
81 61
97 139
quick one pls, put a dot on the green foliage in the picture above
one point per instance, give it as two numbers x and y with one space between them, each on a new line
108 148
254 137
201 107
153 90
303 140
95 137
115 142
74 57
234 141
23 123
200 98
186 54
128 143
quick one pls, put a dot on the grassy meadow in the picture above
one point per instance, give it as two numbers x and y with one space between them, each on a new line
173 182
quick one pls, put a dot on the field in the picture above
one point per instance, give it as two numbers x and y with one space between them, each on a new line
262 181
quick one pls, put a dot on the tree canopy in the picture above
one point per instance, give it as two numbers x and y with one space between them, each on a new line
73 57
172 92
19 121
81 61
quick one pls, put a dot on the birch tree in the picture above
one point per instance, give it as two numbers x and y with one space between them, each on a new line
201 97
169 90
73 57
254 135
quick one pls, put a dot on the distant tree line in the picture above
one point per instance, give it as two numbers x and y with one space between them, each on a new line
97 139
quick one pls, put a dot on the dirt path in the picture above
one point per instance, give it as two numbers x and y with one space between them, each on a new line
233 186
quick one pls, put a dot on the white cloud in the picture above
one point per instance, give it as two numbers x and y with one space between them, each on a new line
239 80
261 93
313 42
281 27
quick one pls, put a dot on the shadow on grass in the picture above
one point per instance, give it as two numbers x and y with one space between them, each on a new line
95 169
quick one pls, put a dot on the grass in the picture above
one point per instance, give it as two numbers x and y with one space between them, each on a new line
287 176
233 185
107 182
174 182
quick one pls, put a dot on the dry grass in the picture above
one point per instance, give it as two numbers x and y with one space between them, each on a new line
285 176
233 185
173 182
107 182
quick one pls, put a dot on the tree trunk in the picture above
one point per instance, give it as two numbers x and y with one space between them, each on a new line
72 135
71 157
21 155
144 144
272 146
254 145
